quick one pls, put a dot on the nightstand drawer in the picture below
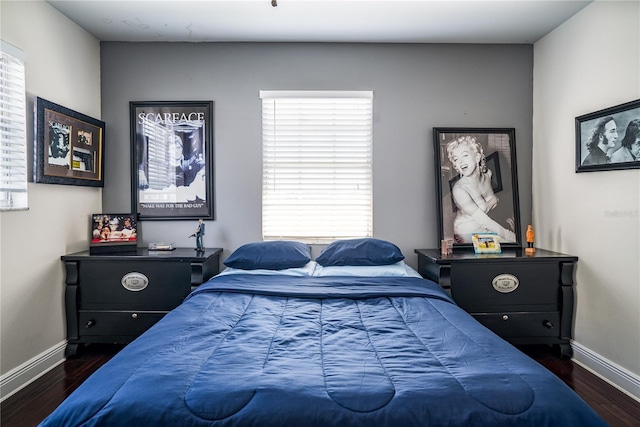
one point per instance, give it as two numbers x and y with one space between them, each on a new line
537 286
519 324
102 288
122 323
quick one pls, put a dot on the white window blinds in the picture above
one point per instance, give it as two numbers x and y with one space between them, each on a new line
317 165
13 111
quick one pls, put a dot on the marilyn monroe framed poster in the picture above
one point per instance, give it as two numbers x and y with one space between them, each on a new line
477 185
172 159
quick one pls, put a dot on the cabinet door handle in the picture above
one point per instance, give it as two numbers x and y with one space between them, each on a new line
134 315
505 317
90 323
548 324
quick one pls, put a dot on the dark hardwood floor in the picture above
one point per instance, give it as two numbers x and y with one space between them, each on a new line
33 403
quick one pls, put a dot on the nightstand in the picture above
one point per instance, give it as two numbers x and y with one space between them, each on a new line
115 297
525 299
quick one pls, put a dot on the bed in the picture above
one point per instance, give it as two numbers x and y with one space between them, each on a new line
354 338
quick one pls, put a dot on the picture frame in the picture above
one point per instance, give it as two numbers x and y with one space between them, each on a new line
486 243
68 146
113 232
488 200
172 159
609 139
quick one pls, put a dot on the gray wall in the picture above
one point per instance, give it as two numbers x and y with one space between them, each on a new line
416 87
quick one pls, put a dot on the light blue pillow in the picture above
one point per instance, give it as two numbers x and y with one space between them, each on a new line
399 269
273 255
307 270
366 251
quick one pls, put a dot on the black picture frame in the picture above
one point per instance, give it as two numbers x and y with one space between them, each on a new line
68 146
609 139
498 156
172 159
113 232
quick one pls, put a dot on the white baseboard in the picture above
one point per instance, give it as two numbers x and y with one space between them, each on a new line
618 377
20 377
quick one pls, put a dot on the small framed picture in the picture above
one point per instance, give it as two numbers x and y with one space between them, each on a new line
486 243
113 233
69 146
609 139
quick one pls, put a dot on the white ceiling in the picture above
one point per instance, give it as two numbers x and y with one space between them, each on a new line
417 21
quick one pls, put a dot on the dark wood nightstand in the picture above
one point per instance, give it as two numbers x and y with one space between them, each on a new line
115 297
526 299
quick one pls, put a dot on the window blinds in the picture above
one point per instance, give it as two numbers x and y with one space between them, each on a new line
317 165
13 148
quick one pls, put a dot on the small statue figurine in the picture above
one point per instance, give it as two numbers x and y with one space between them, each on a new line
530 239
198 235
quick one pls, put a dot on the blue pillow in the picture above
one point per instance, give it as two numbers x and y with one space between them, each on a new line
367 251
276 255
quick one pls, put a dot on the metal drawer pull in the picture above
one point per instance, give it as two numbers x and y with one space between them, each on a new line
505 317
134 315
505 283
90 323
134 281
548 324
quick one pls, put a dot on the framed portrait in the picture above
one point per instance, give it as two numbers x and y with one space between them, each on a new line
172 159
69 146
609 139
111 232
477 185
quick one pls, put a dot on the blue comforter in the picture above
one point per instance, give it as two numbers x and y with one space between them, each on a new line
289 351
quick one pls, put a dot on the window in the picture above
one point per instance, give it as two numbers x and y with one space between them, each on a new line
13 134
317 165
